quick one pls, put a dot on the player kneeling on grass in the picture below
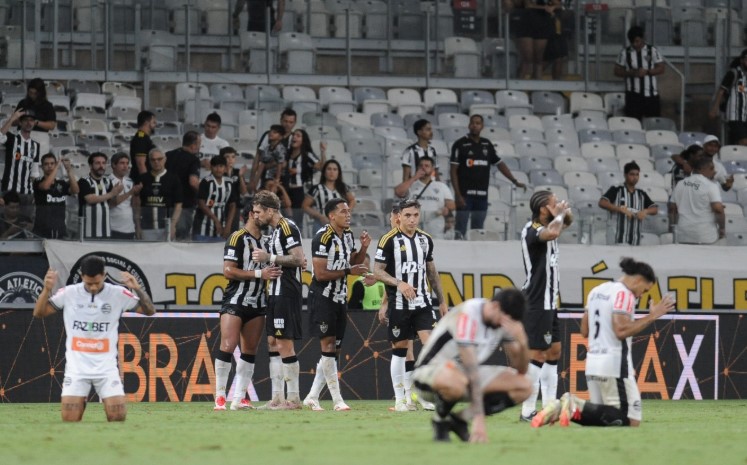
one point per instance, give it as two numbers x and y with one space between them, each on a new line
610 324
449 368
92 309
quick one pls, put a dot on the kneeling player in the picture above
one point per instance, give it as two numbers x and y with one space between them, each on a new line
92 309
449 368
610 315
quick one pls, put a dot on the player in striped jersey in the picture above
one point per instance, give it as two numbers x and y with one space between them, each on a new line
334 257
539 249
242 314
609 323
404 263
22 158
95 193
216 203
451 367
284 304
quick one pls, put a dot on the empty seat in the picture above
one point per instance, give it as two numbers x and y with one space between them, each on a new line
507 99
387 119
375 18
635 151
296 53
689 138
596 150
404 100
525 121
660 136
354 118
548 103
337 99
733 153
347 18
531 149
624 123
532 163
527 134
578 191
627 136
564 121
586 101
462 57
440 101
614 103
565 164
475 97
545 177
561 135
453 120
594 135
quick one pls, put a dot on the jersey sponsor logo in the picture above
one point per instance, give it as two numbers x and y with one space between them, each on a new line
279 322
339 264
54 199
94 346
115 264
20 288
471 162
91 326
410 267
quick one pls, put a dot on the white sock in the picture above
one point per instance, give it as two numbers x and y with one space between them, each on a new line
408 386
329 367
290 376
397 370
318 384
549 382
276 377
222 370
530 405
244 373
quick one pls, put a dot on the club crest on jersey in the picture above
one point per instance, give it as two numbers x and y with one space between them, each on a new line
548 337
395 331
323 327
106 309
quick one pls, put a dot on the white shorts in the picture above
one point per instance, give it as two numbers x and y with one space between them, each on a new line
109 384
620 393
424 376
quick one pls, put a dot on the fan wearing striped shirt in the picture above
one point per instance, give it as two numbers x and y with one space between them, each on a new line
639 64
629 206
22 158
331 186
216 204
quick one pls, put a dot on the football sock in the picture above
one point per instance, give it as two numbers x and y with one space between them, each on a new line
443 407
329 367
496 402
276 376
318 384
601 415
530 405
397 371
409 368
291 369
549 381
244 373
222 370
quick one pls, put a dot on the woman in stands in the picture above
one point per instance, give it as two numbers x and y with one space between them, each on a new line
330 186
301 165
36 100
532 25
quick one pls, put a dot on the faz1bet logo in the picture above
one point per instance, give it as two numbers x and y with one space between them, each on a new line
20 288
115 264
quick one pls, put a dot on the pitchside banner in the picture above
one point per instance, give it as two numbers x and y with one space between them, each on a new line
169 357
702 277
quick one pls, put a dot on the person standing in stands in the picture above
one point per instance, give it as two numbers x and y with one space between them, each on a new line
50 196
160 199
36 101
422 148
121 212
639 64
731 99
210 143
287 123
258 15
96 192
183 162
141 145
629 206
22 158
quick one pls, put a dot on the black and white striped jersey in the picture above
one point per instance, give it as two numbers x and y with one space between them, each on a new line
337 251
735 83
415 152
541 287
647 58
22 159
97 214
285 238
217 196
303 165
628 229
405 259
238 249
322 194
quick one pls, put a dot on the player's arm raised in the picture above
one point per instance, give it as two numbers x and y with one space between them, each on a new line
145 306
42 307
562 219
471 369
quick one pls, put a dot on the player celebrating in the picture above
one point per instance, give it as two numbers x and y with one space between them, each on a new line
334 258
539 249
242 314
285 300
609 323
404 263
450 367
92 309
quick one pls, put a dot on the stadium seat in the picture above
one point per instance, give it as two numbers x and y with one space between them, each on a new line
514 99
593 121
531 149
635 151
689 138
296 53
564 121
626 136
594 135
616 123
614 103
566 164
462 57
404 101
375 18
560 135
337 99
548 103
665 150
596 150
345 13
733 153
484 235
586 101
661 136
441 101
545 177
580 192
525 121
471 97
600 165
527 134
561 149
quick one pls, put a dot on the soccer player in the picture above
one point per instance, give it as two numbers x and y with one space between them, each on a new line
92 309
404 263
539 249
609 323
285 299
451 367
242 314
334 257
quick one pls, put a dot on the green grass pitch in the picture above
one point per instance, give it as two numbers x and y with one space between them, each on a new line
673 432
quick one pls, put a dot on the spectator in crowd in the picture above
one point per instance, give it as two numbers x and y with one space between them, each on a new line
731 100
301 164
236 177
36 102
556 50
450 232
160 200
22 158
96 192
533 25
287 123
629 206
270 162
50 196
13 225
471 158
711 147
367 293
639 64
211 142
216 204
331 186
258 15
422 148
285 200
436 199
121 212
699 213
183 163
141 144
682 169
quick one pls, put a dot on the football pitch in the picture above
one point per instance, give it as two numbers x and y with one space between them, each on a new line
673 432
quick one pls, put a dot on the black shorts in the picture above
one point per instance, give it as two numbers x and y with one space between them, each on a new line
542 328
245 313
328 318
557 47
532 23
405 324
284 317
737 130
639 107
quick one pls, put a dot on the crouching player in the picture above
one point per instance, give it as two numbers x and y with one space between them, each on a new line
449 368
91 312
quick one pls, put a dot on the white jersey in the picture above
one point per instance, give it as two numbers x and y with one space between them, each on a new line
462 326
609 356
92 326
120 216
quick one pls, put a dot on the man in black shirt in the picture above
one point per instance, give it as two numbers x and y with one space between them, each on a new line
50 196
471 158
36 101
141 145
185 164
160 198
